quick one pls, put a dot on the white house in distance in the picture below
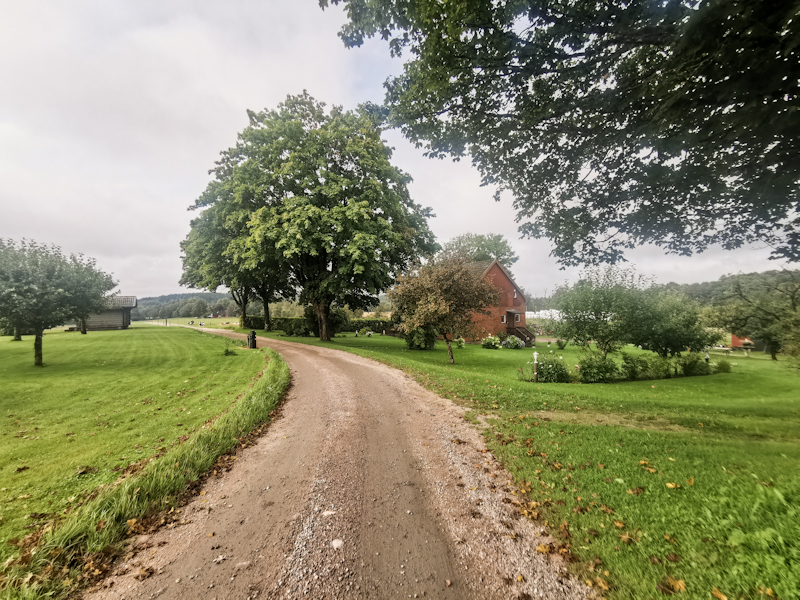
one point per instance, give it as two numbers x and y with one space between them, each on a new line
116 316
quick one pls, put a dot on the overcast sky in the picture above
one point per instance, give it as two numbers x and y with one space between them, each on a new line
112 113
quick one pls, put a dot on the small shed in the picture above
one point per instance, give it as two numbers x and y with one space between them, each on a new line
116 316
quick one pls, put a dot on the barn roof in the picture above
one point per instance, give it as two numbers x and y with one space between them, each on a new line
121 302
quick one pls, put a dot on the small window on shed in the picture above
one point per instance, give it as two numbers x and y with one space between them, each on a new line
515 293
502 318
516 318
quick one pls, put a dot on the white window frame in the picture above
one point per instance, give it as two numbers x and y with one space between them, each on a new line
517 318
502 318
515 293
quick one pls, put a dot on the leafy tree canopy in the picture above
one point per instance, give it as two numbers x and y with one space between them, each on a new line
476 247
41 288
443 295
612 123
312 196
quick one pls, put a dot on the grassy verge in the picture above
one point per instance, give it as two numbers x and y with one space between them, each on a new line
104 507
678 486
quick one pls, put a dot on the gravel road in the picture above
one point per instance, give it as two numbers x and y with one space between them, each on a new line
368 486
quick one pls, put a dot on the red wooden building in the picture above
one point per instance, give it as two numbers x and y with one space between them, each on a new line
509 315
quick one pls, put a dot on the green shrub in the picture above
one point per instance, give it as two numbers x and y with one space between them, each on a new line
561 344
491 342
596 368
364 331
659 367
722 366
460 342
634 367
503 335
513 342
295 327
692 363
421 338
338 320
549 369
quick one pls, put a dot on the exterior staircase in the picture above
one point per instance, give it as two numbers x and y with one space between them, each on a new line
523 333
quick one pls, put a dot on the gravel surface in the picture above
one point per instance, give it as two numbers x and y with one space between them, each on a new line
368 486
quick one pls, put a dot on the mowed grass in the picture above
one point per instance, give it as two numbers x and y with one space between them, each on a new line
103 402
684 486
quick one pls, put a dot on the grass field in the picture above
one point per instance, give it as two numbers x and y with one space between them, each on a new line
687 485
103 403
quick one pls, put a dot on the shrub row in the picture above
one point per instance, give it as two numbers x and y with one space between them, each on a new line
596 368
307 325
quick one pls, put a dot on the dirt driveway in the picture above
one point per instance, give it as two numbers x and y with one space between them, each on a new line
368 486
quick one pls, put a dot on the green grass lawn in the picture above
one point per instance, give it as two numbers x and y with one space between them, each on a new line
690 482
103 402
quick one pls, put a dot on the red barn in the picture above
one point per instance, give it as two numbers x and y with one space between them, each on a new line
509 315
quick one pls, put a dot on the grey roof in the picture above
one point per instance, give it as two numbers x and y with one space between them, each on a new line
121 302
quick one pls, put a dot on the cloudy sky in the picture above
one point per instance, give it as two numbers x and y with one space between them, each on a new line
112 113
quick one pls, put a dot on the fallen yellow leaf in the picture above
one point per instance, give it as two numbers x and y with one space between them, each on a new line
718 595
690 481
619 524
543 548
520 578
679 585
673 486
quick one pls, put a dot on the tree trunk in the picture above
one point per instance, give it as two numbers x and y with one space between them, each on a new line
267 318
17 335
37 348
449 349
83 326
323 311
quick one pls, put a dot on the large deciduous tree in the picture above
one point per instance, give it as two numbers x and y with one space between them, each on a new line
612 123
324 200
41 288
444 294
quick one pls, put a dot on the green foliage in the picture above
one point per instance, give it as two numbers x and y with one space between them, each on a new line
443 294
549 370
596 368
323 194
512 342
295 327
668 323
601 307
421 338
659 367
763 306
682 113
460 342
634 366
692 364
41 288
491 342
478 247
721 366
338 320
561 344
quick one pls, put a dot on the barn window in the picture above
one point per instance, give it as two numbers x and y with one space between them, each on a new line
516 318
515 293
502 318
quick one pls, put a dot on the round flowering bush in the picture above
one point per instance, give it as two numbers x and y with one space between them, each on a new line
513 342
492 342
549 370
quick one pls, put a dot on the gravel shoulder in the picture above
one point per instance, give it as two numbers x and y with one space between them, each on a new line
368 486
